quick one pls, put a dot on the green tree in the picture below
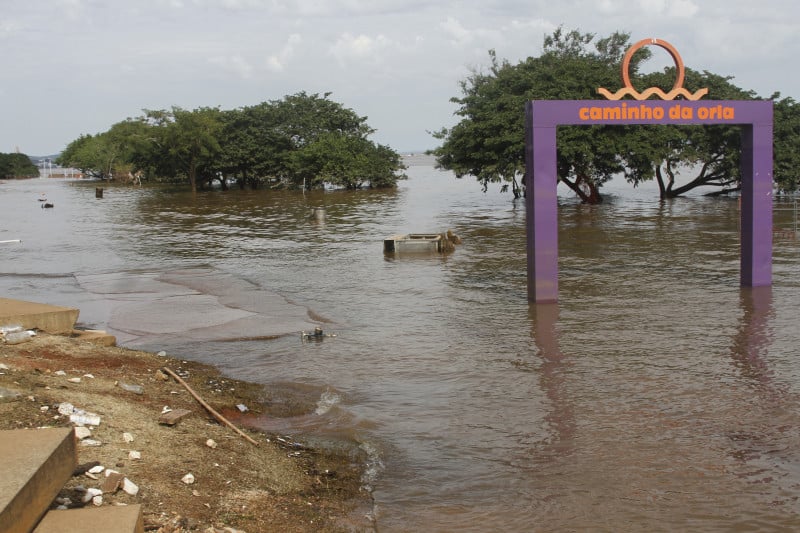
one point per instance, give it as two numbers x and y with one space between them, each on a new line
17 165
301 140
712 154
184 143
786 152
489 140
347 161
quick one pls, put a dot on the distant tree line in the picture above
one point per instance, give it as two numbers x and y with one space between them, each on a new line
17 165
301 141
488 142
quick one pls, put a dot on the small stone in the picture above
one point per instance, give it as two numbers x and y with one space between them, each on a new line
44 408
65 408
81 432
162 353
133 455
171 417
161 376
97 501
3 366
129 487
59 373
90 376
195 492
211 443
127 437
96 469
90 494
188 479
74 380
91 442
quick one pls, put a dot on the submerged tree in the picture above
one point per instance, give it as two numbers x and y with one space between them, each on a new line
488 141
17 165
300 141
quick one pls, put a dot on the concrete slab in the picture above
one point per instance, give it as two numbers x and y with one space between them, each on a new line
94 336
35 465
108 519
30 315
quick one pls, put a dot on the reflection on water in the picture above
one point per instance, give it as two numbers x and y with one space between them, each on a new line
657 395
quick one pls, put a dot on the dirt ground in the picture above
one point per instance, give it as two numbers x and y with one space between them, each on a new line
279 485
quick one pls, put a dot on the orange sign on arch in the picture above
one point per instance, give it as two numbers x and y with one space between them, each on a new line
629 90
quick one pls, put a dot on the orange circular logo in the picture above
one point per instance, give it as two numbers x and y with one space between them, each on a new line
628 89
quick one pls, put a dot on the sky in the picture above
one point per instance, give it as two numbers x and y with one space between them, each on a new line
73 67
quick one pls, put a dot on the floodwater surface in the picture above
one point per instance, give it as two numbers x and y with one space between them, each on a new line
657 395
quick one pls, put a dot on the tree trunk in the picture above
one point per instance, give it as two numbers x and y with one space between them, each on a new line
586 190
193 175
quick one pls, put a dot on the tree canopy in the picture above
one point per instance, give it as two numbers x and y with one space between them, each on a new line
17 165
488 142
301 141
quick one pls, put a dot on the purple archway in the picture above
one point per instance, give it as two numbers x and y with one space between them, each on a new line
544 116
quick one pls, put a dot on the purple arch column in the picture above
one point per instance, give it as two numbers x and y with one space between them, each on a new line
542 117
756 214
541 202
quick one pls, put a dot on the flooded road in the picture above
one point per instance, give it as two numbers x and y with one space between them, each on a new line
657 395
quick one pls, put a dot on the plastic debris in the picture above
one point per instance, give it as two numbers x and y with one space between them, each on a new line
136 389
242 408
84 419
162 353
7 395
96 469
91 442
74 380
19 337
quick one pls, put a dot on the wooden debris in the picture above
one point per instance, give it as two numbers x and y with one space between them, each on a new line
112 482
221 419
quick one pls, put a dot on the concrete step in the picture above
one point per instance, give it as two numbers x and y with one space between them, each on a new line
34 465
107 519
48 318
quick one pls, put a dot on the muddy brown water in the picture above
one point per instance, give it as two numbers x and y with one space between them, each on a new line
657 395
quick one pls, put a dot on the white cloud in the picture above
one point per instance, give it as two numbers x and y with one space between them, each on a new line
277 62
457 33
156 53
235 64
349 47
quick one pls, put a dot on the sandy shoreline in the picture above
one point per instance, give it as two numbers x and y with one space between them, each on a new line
278 485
